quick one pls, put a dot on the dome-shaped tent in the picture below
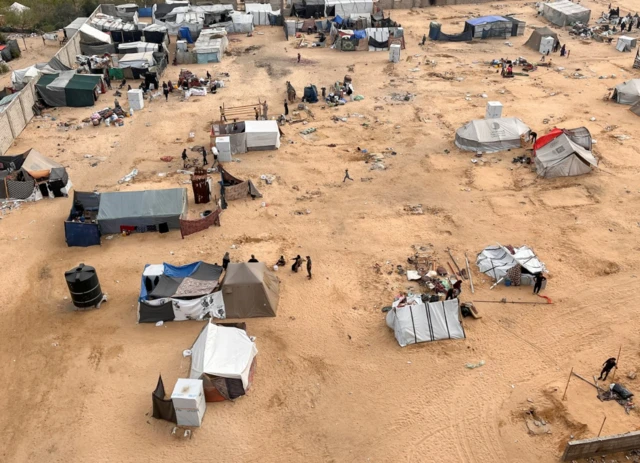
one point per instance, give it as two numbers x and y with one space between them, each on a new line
491 135
627 92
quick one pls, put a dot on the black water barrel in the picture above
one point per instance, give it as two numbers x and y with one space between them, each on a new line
84 286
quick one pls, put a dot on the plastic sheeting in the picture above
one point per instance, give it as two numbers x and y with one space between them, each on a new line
491 135
565 12
628 92
262 135
222 351
345 8
495 261
418 322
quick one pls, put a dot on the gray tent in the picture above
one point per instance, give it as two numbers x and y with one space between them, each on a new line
563 156
627 92
565 12
635 109
491 135
537 35
250 290
143 210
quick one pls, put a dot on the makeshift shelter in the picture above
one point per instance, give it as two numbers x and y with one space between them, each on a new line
211 45
69 89
163 408
142 211
32 176
250 290
137 47
137 60
491 135
22 77
538 36
224 358
516 264
262 135
18 8
489 26
260 13
235 133
435 33
627 92
308 9
232 188
564 153
626 43
565 12
178 293
414 321
241 23
344 8
72 28
81 226
310 94
635 109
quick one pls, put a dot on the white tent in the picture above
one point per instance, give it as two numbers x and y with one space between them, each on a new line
223 351
491 135
72 28
241 22
627 92
496 261
260 13
562 157
21 77
262 135
91 35
18 8
136 60
565 12
345 8
414 321
626 43
137 47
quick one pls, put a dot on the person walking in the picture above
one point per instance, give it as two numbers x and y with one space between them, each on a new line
225 260
185 158
204 156
286 108
563 50
539 278
346 176
309 267
607 366
299 57
165 90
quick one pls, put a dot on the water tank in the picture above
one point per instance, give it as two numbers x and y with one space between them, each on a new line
84 286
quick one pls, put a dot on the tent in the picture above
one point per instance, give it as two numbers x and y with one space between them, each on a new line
564 153
72 28
18 8
635 109
565 12
32 176
69 89
489 26
137 60
262 135
250 290
90 35
537 35
345 8
242 23
142 210
310 94
498 262
414 321
211 45
224 357
626 43
232 188
137 47
491 135
260 13
21 77
627 92
178 293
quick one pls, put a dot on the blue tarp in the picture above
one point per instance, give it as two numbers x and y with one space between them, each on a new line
185 33
81 234
360 34
173 271
144 12
486 19
338 20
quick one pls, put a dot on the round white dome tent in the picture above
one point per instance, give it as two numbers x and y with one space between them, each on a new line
491 135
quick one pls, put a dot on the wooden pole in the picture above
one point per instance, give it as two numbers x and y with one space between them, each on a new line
469 273
599 432
564 396
617 358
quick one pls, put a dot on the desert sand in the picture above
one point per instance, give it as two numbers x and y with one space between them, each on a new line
332 384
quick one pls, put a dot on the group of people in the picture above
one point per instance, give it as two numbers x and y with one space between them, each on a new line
297 263
265 109
203 151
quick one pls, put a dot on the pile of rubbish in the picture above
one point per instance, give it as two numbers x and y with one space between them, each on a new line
339 91
109 116
620 394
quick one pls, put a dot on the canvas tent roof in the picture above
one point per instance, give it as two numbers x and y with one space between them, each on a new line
565 12
136 60
486 20
491 135
91 35
21 76
18 7
68 89
38 165
75 25
262 135
562 157
495 261
417 321
627 92
222 351
250 290
345 8
536 37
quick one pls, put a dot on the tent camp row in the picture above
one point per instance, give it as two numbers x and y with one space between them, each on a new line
96 214
32 176
200 290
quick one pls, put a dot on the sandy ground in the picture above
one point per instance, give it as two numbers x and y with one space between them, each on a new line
332 383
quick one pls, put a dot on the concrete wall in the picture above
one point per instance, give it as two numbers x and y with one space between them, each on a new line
585 448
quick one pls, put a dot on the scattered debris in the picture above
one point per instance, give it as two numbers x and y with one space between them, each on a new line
130 176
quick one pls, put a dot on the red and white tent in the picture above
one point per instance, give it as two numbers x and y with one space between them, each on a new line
564 153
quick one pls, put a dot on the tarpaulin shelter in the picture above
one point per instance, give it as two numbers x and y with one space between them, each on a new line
497 261
224 357
627 92
21 77
241 23
262 135
81 227
260 12
308 9
626 43
75 25
489 26
211 45
565 12
345 8
178 293
310 94
69 89
142 210
137 60
564 153
250 290
232 188
185 34
537 35
94 41
491 135
435 33
414 321
137 47
32 176
635 109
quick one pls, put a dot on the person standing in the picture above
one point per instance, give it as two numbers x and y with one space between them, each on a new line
286 108
265 110
107 80
296 264
165 90
346 176
208 76
204 156
563 50
533 136
309 267
568 53
299 57
253 259
424 39
539 278
185 158
607 366
225 260
257 113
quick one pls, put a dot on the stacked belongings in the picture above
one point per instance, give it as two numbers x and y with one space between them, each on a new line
107 115
341 90
187 80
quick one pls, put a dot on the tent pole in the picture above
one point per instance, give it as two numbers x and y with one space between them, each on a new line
617 358
564 396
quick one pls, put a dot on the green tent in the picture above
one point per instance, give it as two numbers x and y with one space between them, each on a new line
69 89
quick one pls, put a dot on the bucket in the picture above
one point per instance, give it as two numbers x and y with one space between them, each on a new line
507 282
